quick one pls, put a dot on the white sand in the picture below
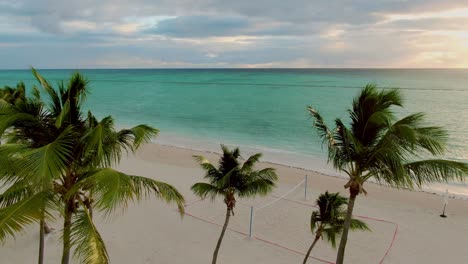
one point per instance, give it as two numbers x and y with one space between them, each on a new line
152 232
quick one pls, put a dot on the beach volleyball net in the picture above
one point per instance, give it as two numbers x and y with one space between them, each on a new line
282 219
264 208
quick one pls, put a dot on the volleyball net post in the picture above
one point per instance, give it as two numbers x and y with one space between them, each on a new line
252 209
305 187
251 221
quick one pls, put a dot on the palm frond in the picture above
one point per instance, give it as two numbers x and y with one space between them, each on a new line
113 189
435 170
17 192
204 190
330 217
256 187
250 162
330 233
10 163
48 162
313 221
357 224
12 117
137 135
211 172
144 187
88 243
371 113
266 174
16 217
225 181
229 159
346 146
63 115
233 178
55 102
325 133
100 143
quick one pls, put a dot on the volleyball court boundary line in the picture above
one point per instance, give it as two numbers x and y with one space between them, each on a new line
395 232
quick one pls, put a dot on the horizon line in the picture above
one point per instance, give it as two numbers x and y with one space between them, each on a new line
247 68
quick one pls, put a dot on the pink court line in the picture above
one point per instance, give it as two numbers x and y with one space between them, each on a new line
245 234
360 216
290 249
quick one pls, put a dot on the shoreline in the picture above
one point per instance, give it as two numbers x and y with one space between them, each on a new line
337 175
153 231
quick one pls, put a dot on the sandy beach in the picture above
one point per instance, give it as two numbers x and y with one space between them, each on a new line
406 227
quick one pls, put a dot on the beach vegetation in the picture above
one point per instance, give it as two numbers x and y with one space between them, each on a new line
328 220
233 178
376 144
57 161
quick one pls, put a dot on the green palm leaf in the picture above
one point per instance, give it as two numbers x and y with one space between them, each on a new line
328 220
376 144
145 187
211 172
88 243
46 163
17 192
113 189
232 178
16 217
204 190
55 102
357 224
137 135
100 143
435 170
250 162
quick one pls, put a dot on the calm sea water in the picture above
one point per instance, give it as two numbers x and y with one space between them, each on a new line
263 109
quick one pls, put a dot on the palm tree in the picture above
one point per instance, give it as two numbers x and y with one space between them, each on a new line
13 95
328 221
14 103
377 145
70 154
231 179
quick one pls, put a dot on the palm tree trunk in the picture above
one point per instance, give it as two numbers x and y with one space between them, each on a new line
317 237
41 241
347 223
218 245
66 234
90 211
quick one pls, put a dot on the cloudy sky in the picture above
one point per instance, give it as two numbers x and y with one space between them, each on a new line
233 33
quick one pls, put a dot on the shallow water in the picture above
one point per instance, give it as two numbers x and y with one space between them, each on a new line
264 109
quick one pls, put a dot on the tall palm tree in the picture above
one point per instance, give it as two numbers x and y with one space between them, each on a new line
328 221
230 179
70 154
377 145
14 103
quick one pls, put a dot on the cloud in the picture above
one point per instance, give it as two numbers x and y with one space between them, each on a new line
202 26
242 33
215 26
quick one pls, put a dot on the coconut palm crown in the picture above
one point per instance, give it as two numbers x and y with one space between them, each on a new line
376 144
232 178
57 161
328 220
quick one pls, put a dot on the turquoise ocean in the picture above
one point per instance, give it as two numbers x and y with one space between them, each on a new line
264 110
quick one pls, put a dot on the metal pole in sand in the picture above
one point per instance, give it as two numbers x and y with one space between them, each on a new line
251 221
446 196
305 188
